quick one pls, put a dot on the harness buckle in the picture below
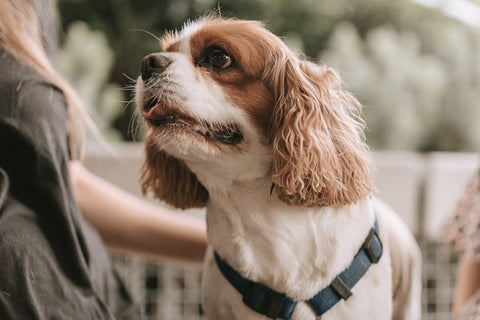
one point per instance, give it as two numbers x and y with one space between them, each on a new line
264 300
373 246
341 288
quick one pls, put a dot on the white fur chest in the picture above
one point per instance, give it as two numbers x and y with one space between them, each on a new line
294 251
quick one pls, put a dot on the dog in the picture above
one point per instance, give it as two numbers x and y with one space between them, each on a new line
274 148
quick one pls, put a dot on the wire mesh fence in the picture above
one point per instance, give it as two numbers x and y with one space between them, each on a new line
173 293
439 274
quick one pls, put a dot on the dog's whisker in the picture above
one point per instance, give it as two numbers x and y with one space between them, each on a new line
149 33
129 78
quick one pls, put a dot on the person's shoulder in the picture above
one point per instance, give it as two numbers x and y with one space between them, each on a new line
23 89
29 104
14 71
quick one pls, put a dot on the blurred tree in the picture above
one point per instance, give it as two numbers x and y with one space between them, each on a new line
419 81
122 22
416 70
79 61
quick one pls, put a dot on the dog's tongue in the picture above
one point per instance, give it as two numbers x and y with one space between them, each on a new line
160 112
157 111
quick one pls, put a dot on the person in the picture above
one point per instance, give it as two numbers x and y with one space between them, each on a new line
54 264
462 232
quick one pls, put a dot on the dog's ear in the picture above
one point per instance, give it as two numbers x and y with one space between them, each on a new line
319 154
170 180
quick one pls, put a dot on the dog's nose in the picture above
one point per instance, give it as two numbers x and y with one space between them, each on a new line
154 63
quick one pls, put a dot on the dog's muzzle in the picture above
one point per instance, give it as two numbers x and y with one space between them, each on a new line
155 63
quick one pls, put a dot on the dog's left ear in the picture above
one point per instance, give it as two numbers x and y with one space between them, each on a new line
320 158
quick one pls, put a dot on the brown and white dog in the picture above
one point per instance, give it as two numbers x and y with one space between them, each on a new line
274 149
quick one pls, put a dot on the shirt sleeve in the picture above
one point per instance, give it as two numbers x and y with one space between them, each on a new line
462 228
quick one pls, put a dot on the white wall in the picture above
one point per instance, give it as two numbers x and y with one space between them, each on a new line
421 188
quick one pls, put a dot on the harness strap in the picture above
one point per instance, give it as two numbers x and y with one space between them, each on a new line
342 285
256 296
277 305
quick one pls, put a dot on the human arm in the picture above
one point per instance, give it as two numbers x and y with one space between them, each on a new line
467 283
130 224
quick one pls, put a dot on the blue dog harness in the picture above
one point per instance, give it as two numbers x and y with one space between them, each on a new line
277 305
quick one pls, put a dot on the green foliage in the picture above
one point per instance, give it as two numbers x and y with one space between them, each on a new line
419 82
86 60
416 71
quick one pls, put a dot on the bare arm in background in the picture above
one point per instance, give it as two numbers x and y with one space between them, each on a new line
132 225
467 283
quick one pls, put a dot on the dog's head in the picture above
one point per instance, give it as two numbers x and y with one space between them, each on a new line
229 94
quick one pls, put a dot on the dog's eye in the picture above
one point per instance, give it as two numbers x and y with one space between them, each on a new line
219 59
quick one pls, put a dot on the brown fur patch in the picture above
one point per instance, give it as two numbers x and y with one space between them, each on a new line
320 158
170 43
170 180
243 83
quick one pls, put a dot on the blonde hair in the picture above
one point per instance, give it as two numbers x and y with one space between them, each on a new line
22 37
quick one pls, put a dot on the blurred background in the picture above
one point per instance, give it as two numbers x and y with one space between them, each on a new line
413 64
